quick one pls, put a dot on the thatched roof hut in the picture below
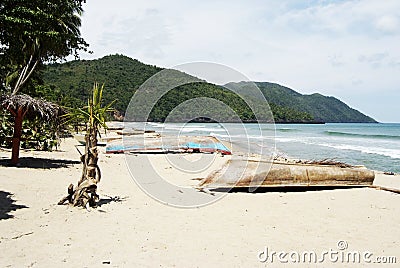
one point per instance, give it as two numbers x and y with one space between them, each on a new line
31 107
23 106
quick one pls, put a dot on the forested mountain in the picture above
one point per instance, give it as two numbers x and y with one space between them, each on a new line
121 75
69 83
322 108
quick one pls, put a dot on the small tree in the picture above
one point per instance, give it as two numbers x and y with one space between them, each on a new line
95 115
33 32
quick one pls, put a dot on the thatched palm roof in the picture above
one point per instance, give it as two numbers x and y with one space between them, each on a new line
32 107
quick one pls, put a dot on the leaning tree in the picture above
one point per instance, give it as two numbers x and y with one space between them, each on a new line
32 33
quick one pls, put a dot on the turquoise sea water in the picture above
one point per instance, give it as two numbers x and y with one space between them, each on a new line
377 146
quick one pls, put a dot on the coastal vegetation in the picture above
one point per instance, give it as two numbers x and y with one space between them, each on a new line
31 33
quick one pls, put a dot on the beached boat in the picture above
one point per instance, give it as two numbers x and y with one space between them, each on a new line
166 144
130 132
243 173
254 172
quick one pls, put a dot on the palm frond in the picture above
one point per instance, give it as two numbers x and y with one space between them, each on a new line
94 113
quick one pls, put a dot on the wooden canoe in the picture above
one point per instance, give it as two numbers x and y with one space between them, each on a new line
242 173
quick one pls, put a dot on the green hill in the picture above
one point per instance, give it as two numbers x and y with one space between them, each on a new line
322 108
69 83
120 74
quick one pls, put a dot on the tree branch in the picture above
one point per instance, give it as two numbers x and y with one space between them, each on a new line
16 87
23 77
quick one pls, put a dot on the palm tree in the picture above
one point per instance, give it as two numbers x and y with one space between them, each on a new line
95 115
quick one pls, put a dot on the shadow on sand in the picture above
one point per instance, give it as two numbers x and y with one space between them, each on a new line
41 163
7 205
282 189
111 199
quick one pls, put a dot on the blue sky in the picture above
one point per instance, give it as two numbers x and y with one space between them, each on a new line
346 49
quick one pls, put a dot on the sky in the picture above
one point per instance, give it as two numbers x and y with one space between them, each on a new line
346 49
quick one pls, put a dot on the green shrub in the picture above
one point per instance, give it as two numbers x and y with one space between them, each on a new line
36 134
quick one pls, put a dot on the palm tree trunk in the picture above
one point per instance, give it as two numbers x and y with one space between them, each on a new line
93 156
16 141
85 193
90 158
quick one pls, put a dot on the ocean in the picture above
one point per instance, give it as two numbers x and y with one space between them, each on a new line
376 146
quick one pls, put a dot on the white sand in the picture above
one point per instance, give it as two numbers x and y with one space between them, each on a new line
141 232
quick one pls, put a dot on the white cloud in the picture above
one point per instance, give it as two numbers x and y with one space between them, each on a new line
388 24
338 48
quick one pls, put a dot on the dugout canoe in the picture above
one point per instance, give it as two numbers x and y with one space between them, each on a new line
243 173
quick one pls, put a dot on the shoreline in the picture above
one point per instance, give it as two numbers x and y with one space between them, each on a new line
375 146
131 229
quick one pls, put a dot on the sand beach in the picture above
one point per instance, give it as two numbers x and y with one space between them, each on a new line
199 134
130 229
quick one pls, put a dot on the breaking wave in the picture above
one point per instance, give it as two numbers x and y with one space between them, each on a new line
372 136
